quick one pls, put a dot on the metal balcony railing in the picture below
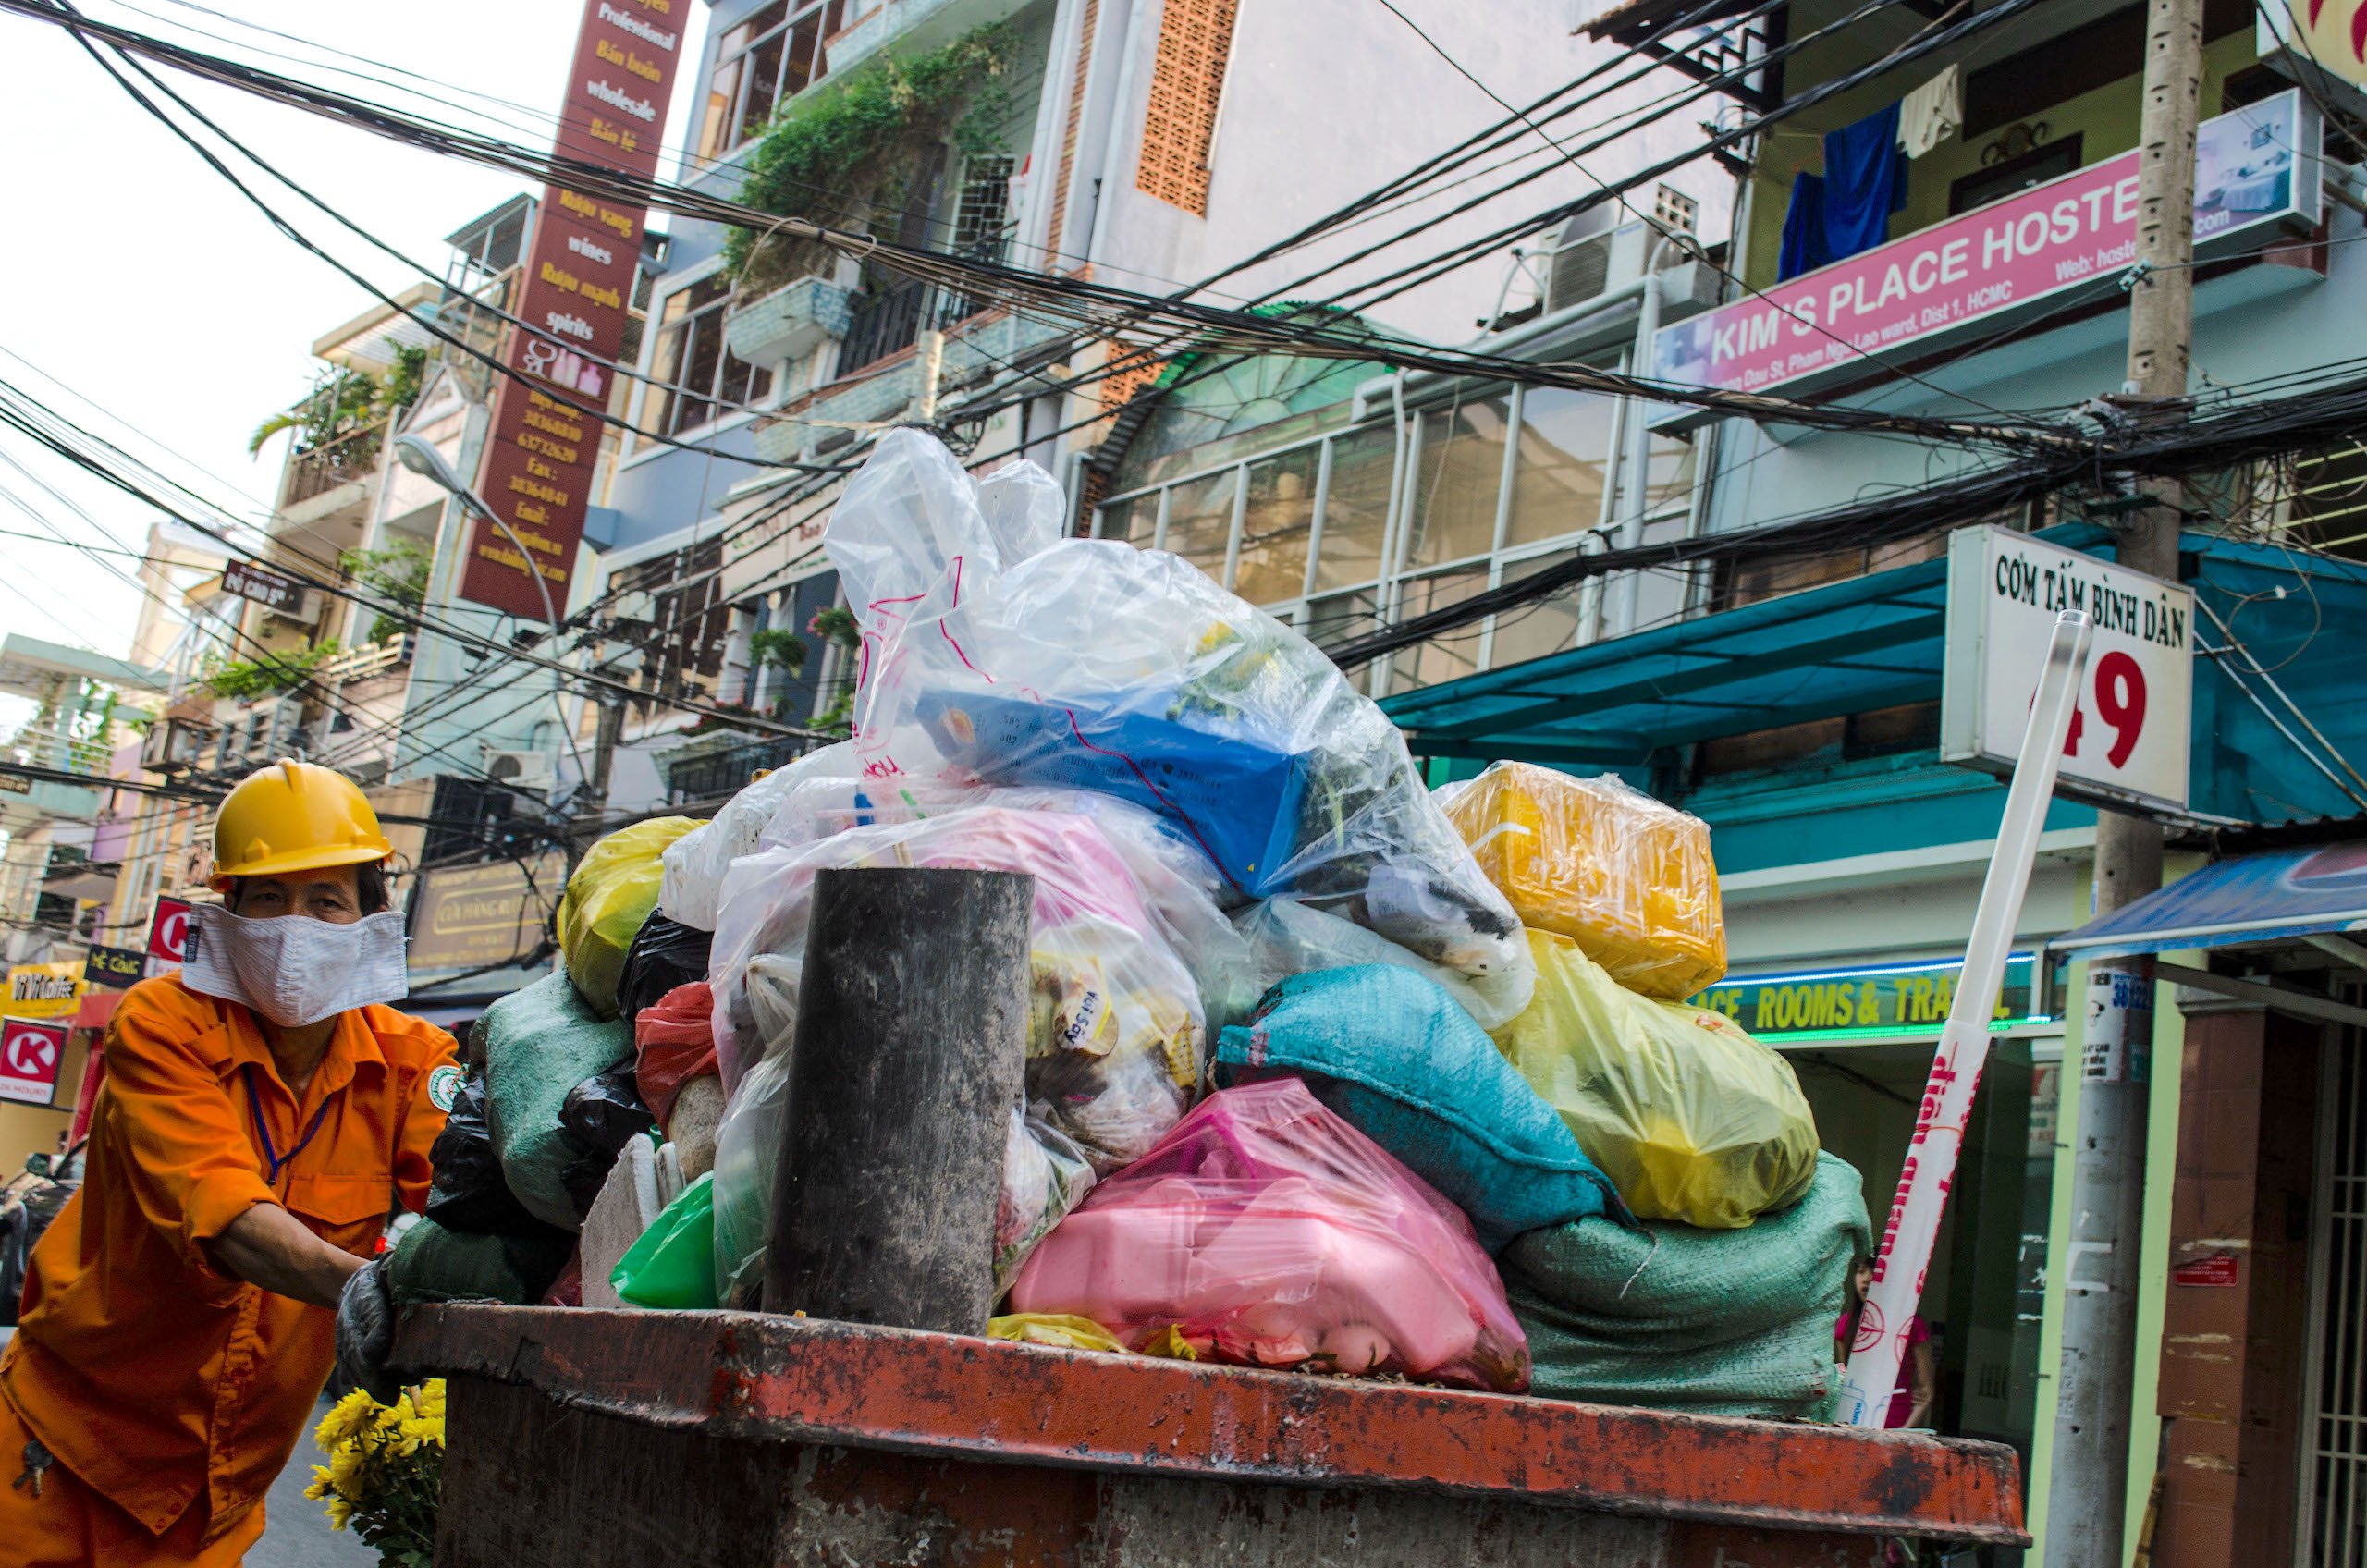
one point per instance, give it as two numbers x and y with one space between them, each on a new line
718 774
319 470
886 321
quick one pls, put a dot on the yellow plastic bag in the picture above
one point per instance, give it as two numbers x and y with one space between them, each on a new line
1063 1330
1690 1118
611 893
1629 878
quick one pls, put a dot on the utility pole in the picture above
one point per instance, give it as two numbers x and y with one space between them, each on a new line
930 354
2086 1506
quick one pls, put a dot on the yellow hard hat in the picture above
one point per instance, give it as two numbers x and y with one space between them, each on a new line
294 816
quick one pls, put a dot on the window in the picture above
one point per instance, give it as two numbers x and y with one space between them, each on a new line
1540 627
1450 653
1356 510
1199 521
1461 469
694 379
1135 520
1187 84
689 624
778 53
982 209
2012 176
1275 522
1558 469
2328 494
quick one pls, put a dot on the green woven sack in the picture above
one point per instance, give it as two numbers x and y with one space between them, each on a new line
431 1264
1718 1322
539 1043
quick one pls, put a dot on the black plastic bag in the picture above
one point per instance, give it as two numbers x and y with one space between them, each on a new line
664 954
467 1193
602 1115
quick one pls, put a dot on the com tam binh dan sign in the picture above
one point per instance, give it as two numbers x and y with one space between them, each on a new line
2256 174
577 287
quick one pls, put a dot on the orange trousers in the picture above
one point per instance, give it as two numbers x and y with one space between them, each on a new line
69 1526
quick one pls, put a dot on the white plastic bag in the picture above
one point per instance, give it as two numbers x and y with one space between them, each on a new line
694 863
1089 664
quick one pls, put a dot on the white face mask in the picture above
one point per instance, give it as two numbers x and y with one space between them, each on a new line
293 969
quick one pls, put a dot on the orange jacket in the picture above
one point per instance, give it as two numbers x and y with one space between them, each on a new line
152 1375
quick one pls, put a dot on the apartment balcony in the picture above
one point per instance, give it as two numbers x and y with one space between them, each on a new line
325 488
790 321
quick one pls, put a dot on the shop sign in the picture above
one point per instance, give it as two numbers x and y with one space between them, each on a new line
2128 738
2215 1270
280 594
119 967
2322 42
2256 174
43 990
30 1050
473 916
578 283
1905 999
168 931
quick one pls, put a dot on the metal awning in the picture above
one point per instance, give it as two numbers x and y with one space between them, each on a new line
1873 642
2277 896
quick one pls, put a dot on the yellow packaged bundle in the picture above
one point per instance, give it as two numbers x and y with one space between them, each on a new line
612 892
1628 879
1690 1118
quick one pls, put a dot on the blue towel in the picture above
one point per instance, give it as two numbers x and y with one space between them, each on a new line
1804 248
1862 183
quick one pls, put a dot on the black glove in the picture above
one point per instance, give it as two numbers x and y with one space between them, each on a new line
365 1331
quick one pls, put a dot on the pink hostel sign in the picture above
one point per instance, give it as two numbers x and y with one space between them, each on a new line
1978 268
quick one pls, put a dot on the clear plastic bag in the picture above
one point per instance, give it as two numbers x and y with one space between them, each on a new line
1628 878
1088 663
1267 1231
1286 937
694 863
1690 1118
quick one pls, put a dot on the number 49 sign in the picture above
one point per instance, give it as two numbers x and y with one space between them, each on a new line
2128 738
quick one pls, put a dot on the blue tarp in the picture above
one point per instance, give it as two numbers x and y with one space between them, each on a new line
2275 896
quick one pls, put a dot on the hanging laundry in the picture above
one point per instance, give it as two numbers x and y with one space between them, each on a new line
1804 248
1864 183
1933 113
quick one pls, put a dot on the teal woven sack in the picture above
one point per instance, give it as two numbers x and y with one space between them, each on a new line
1393 1053
1718 1322
540 1043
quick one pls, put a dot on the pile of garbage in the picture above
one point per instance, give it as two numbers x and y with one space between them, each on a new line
1326 1070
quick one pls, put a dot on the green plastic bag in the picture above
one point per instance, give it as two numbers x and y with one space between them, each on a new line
611 893
673 1263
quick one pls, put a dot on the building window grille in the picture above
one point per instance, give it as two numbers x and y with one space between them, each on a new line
694 379
982 211
1187 82
689 625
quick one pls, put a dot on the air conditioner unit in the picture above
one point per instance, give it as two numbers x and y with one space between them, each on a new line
521 770
1591 258
175 745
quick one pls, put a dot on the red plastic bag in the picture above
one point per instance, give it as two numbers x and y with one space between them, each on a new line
677 1044
1264 1230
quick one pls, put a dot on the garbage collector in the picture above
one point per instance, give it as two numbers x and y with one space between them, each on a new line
261 1112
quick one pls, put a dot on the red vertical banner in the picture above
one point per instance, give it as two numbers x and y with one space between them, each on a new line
577 284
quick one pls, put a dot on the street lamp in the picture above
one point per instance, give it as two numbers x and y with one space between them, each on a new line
418 454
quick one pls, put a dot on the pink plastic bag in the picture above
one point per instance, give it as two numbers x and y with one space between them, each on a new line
1267 1231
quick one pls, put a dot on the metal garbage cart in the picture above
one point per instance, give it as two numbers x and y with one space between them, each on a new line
588 1439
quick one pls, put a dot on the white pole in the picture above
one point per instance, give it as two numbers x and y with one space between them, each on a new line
1905 1255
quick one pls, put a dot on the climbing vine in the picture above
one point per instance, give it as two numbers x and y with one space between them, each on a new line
840 153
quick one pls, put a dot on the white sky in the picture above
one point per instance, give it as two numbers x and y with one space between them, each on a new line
142 281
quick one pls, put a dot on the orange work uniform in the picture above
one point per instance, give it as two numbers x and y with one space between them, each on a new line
169 1392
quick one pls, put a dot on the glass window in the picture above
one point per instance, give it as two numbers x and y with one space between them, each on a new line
1558 469
761 63
1135 520
1342 617
1199 521
1355 509
1461 469
1668 468
1539 628
1274 527
1449 654
693 377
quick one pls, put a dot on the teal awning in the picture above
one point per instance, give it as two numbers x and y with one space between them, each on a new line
1873 642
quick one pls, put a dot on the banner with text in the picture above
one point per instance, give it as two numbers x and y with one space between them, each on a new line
576 283
2255 173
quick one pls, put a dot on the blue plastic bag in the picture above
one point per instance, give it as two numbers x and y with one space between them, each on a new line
1396 1056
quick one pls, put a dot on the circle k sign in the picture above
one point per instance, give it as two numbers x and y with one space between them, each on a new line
30 1050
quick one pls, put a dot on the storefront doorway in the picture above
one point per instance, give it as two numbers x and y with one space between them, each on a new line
1985 1295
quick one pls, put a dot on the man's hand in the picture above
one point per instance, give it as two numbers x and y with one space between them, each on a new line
270 1247
365 1333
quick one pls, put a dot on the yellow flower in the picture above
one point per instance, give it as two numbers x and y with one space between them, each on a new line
319 1491
341 1512
346 1417
346 1467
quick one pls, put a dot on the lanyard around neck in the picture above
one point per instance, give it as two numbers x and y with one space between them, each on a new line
272 1158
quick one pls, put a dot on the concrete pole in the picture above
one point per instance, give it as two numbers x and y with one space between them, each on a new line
2087 1507
930 355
